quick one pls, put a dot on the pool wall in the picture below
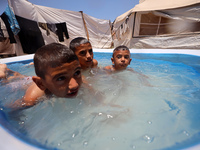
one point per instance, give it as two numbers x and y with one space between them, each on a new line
9 141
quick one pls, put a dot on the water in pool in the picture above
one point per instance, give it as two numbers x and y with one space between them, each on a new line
157 111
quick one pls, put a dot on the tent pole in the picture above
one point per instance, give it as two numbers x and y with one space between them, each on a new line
112 44
134 25
85 25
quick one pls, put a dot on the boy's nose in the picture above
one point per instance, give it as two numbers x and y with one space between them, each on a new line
122 59
73 84
88 55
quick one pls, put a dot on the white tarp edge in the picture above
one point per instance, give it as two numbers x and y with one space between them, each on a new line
152 5
97 28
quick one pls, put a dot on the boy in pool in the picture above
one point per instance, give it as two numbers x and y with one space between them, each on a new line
3 70
120 59
83 50
58 73
8 74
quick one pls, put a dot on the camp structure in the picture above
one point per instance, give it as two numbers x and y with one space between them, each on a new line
24 27
165 24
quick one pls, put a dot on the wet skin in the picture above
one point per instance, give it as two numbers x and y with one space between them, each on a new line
121 59
65 80
84 53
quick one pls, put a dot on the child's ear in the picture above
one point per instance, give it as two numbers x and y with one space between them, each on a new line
130 61
112 60
39 83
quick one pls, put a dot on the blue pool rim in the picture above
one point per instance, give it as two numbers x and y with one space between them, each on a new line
7 137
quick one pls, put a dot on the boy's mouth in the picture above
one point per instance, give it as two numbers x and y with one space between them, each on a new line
72 93
123 65
89 61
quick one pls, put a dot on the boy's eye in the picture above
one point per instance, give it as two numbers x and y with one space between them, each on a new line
118 56
90 51
61 78
77 73
82 52
126 57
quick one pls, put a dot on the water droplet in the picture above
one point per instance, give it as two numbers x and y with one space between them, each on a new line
73 135
72 112
148 139
80 103
21 122
59 144
186 133
109 116
85 143
1 108
149 122
23 104
113 139
133 147
114 94
100 114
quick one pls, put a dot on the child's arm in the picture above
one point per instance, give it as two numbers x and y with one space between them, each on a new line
14 74
98 95
33 93
143 78
3 68
107 68
132 70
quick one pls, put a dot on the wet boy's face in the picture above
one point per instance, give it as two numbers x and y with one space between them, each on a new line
65 80
121 59
84 53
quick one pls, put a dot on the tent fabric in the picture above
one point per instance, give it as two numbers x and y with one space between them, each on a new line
78 24
7 49
74 20
152 5
99 31
160 25
181 42
149 5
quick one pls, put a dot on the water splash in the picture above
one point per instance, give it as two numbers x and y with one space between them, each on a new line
148 139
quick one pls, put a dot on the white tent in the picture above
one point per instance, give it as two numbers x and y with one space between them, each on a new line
78 24
159 24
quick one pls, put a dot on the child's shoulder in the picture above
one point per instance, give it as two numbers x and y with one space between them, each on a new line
32 94
95 63
109 68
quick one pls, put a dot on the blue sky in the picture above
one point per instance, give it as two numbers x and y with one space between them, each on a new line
101 9
3 4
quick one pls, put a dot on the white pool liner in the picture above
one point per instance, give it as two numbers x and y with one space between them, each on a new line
9 141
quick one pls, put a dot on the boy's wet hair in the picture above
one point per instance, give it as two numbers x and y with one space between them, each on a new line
52 55
77 42
120 48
